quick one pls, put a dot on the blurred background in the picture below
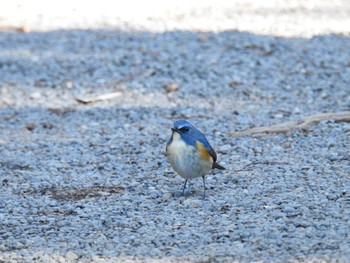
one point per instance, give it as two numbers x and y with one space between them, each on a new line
277 17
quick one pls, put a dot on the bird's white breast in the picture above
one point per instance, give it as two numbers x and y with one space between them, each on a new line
185 159
177 146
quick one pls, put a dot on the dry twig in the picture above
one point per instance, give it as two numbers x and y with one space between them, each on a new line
108 96
250 166
342 116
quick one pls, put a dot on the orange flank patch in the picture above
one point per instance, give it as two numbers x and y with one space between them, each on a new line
203 151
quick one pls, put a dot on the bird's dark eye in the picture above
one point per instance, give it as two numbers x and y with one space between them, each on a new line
184 129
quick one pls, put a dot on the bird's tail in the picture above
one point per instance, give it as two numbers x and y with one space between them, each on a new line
218 166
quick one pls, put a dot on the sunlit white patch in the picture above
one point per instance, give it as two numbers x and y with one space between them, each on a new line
177 145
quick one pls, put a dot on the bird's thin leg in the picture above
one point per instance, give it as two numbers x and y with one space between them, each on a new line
183 189
203 186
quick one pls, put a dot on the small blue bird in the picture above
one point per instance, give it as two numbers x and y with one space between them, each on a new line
190 153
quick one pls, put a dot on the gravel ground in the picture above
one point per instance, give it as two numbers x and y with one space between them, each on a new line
89 182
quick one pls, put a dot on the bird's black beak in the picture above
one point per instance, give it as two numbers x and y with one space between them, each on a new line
174 130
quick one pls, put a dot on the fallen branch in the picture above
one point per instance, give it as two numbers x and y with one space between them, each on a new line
342 116
108 96
250 166
265 162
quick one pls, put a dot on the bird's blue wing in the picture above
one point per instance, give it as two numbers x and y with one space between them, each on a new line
203 140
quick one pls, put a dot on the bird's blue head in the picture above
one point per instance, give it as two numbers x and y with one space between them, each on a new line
187 131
